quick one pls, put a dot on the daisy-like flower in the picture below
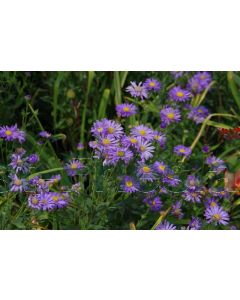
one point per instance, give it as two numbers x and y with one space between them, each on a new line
154 203
142 131
192 195
182 150
177 74
211 202
113 128
119 153
216 215
179 95
217 165
34 202
194 224
145 149
55 179
169 115
160 138
160 167
162 190
17 184
152 84
106 142
73 167
33 159
129 185
177 210
198 114
128 141
45 201
19 164
45 134
166 226
199 82
98 129
145 172
60 200
219 193
11 133
171 179
126 110
137 90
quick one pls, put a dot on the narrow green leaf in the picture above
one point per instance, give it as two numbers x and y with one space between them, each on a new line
233 88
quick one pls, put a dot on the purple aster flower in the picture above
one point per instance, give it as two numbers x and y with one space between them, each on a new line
199 82
198 114
60 200
128 141
145 172
177 210
182 150
45 134
129 185
20 151
154 203
177 74
11 133
205 149
93 144
17 184
216 215
34 202
211 202
19 164
73 167
160 167
80 146
233 227
152 84
45 201
166 226
145 149
126 110
194 224
33 159
160 138
192 182
179 95
137 90
162 190
217 165
219 193
118 153
169 115
143 132
98 128
113 128
192 195
171 179
107 142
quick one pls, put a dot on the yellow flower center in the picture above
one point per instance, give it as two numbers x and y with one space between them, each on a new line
8 132
156 137
180 94
100 129
170 176
111 129
200 110
129 183
161 167
170 116
126 109
120 153
19 161
18 182
146 169
152 83
182 150
142 132
213 204
106 141
138 88
41 181
35 201
216 217
55 198
74 166
154 203
142 148
133 141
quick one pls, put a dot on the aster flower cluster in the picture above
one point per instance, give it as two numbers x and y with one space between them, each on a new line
199 82
12 133
142 90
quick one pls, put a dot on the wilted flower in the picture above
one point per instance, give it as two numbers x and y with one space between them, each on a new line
45 134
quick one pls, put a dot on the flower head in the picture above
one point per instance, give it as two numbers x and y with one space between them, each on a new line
145 172
154 203
73 167
19 164
198 114
194 224
11 133
143 132
217 165
217 215
166 226
129 185
160 167
18 184
45 134
126 110
178 94
177 210
145 149
169 115
152 84
137 90
33 159
182 150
